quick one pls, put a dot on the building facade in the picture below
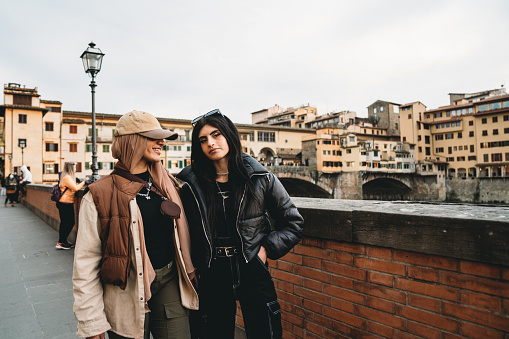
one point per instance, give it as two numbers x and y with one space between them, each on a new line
43 136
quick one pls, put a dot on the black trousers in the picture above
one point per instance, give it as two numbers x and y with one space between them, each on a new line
256 294
66 212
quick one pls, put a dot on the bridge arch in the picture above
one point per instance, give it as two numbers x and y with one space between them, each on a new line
386 189
266 155
304 188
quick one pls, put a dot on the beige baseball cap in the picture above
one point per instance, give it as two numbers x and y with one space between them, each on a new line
142 123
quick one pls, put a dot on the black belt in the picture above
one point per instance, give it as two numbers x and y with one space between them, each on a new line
225 252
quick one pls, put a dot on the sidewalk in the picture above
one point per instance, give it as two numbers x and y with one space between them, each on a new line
36 287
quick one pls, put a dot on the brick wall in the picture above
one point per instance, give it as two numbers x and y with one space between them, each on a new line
333 289
362 271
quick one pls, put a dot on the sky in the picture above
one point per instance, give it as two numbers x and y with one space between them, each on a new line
180 59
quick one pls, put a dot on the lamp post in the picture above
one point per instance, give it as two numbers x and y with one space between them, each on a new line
22 145
10 161
92 60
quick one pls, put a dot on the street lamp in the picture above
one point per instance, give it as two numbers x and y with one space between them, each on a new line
22 144
92 59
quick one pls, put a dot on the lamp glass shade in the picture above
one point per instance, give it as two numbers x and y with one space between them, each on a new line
92 59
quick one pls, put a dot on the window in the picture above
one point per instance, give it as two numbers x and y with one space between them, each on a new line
418 138
78 167
471 133
438 115
486 158
51 147
426 139
428 151
374 110
348 151
449 150
506 117
189 148
73 129
410 116
495 105
448 113
22 118
420 149
495 132
496 157
88 148
352 139
381 108
24 100
73 148
484 133
472 150
484 120
87 165
267 136
460 135
48 126
451 159
472 157
506 130
439 137
494 119
471 123
460 158
449 136
396 109
90 132
106 148
483 108
506 156
50 169
439 150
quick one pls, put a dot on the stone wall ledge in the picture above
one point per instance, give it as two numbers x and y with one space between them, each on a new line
463 231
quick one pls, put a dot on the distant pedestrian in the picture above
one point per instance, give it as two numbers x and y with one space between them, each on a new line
65 205
10 185
2 187
26 178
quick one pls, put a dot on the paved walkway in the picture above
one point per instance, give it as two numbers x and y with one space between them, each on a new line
35 281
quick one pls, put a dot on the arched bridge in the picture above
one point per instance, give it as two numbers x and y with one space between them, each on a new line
303 181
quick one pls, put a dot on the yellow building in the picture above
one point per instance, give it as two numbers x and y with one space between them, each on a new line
470 137
22 133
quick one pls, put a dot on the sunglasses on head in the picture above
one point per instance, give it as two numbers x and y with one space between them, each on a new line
214 111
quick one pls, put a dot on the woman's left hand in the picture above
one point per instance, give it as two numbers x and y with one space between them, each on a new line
262 254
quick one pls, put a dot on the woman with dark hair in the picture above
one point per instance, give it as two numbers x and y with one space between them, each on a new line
133 275
228 197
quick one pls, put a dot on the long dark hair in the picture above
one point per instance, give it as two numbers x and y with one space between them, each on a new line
204 168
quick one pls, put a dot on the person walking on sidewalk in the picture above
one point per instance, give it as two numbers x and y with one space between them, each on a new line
10 189
65 205
228 197
133 273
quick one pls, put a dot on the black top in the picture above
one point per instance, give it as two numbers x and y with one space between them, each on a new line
158 229
225 231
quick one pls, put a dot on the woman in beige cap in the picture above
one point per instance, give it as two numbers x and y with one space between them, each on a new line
133 273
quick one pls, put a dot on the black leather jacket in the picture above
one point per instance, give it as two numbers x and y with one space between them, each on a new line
252 220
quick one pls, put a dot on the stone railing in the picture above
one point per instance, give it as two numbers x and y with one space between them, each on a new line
387 269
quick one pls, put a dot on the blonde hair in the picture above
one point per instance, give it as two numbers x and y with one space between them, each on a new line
68 170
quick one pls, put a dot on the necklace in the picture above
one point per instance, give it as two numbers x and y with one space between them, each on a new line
224 194
146 195
225 173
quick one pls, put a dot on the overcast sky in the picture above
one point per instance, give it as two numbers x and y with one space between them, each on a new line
181 59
